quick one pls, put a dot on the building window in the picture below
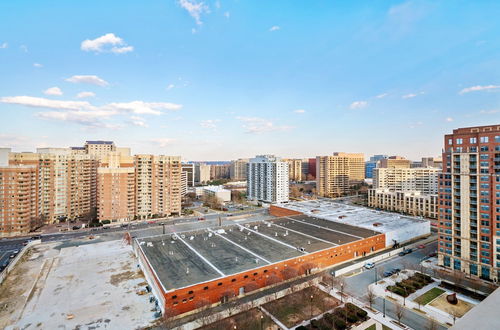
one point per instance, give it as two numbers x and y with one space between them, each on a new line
484 139
473 140
459 141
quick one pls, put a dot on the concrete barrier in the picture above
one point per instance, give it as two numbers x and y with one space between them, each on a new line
14 261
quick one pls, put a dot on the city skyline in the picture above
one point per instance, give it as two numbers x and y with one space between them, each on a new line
191 78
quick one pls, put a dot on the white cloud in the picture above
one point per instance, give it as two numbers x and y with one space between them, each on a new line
170 86
37 65
411 95
4 45
489 112
141 107
82 95
299 111
195 9
261 125
108 43
88 79
358 105
138 121
274 28
449 119
53 91
227 14
163 142
478 88
84 113
39 102
381 96
209 123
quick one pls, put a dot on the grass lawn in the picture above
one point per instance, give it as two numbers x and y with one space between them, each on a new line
385 327
372 327
429 296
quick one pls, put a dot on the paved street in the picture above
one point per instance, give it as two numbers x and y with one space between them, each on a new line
411 319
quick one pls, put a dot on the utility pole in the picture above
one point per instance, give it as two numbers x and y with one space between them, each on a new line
384 306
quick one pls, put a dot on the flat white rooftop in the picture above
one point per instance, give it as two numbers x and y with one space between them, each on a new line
354 215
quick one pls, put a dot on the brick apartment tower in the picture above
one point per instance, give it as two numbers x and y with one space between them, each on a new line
469 202
18 200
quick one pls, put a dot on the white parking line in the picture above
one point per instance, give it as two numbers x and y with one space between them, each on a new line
241 247
199 255
298 232
314 225
272 239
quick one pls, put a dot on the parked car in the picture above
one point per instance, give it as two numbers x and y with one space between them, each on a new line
76 227
408 251
36 237
387 274
432 254
402 253
201 218
421 246
369 265
395 270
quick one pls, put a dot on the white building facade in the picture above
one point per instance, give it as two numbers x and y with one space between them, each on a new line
267 179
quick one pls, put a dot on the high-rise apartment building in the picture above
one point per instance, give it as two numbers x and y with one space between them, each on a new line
238 169
97 148
294 169
469 202
432 162
337 173
67 182
424 180
219 171
267 179
201 173
189 170
158 185
394 162
116 187
312 169
19 211
412 203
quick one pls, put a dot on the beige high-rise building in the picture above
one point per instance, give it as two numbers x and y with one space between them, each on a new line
19 212
158 185
337 173
116 187
67 182
294 169
238 169
394 162
99 148
220 171
424 180
201 173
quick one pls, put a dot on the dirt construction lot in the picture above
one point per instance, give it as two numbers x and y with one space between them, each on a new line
78 286
459 309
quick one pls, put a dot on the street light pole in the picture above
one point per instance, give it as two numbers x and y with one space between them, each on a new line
261 318
384 306
311 306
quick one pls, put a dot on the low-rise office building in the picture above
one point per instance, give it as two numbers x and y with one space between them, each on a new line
410 203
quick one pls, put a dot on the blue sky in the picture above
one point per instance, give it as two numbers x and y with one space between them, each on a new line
218 80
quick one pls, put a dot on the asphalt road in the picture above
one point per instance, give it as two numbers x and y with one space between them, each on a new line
410 318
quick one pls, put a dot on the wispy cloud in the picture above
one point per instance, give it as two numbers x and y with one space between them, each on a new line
479 88
24 48
195 9
411 95
37 65
449 119
88 79
138 121
170 86
4 45
299 111
256 125
210 123
381 96
108 43
358 105
416 124
489 112
56 91
85 113
83 95
227 14
274 28
163 142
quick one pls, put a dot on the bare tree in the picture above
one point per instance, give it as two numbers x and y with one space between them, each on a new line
400 312
289 273
169 317
340 283
458 278
251 286
370 296
380 273
205 313
294 191
432 324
